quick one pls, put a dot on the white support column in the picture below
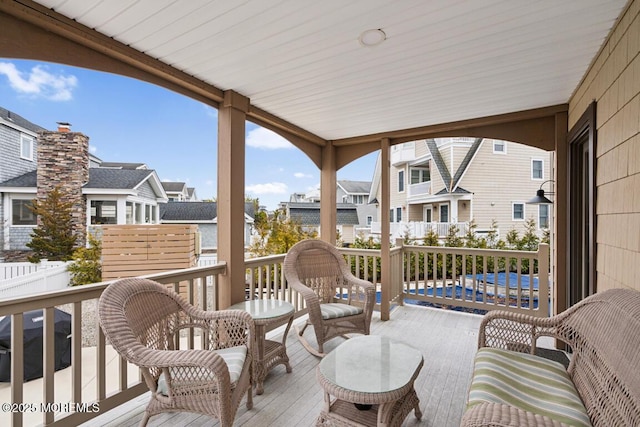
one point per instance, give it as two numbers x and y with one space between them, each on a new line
385 206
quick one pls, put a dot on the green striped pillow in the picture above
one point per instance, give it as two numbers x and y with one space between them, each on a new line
334 310
527 382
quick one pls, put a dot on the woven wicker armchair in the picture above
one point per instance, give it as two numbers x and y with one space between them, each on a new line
317 271
143 319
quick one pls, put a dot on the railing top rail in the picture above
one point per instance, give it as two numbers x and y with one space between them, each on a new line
466 251
358 251
254 262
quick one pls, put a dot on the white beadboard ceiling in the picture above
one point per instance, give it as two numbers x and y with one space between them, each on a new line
443 60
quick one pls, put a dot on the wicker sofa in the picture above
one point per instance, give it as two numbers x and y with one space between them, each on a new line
511 386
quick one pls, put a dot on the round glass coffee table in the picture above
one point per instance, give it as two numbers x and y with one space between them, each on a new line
268 313
371 379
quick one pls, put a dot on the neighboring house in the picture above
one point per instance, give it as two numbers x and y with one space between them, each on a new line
176 191
191 194
31 164
357 192
439 182
205 216
307 214
347 192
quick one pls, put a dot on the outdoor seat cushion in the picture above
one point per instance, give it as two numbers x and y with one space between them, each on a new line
335 309
527 382
234 357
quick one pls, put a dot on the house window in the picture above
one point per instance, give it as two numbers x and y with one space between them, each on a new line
444 213
26 147
543 216
518 212
369 219
419 175
103 212
398 214
400 181
357 199
537 169
391 215
21 213
499 147
129 213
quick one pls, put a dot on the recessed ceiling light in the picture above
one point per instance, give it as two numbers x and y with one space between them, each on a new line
372 37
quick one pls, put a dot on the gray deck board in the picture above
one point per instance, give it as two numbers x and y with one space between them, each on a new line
447 339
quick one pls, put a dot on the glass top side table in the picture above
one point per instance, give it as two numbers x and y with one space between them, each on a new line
268 313
371 378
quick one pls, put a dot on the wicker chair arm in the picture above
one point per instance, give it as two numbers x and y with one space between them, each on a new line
499 415
515 331
184 368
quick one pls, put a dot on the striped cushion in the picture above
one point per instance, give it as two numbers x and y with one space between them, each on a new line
234 357
527 382
335 309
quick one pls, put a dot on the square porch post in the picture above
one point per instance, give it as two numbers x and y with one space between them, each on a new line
328 215
231 165
385 251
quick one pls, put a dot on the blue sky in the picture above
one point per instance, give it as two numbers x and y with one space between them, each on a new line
127 120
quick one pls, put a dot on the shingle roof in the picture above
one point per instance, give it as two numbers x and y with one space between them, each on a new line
309 213
116 178
98 178
188 211
19 120
194 211
458 190
356 187
173 186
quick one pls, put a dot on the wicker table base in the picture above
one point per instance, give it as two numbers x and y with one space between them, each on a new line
268 313
384 381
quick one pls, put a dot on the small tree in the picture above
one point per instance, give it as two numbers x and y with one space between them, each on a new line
54 237
87 267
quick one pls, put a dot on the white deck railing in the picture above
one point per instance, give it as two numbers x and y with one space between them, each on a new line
98 375
10 270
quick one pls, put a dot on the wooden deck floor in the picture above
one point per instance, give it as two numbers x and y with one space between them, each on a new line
446 338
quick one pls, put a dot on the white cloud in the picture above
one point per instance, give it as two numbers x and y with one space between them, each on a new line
39 83
268 188
302 175
93 149
265 139
209 183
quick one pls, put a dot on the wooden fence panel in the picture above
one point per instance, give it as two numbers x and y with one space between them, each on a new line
136 250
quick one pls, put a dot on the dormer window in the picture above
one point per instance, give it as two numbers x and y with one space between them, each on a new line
26 147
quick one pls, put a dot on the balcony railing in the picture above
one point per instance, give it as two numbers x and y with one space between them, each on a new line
419 229
419 189
425 274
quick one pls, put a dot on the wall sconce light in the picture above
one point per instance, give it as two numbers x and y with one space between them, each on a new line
540 198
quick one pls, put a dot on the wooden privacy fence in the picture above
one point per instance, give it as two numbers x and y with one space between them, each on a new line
137 250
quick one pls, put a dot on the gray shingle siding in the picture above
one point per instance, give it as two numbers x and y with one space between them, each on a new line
11 164
19 237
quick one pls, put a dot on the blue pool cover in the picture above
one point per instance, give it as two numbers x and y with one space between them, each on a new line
502 280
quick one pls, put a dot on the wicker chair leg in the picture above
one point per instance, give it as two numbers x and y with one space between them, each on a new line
144 420
306 344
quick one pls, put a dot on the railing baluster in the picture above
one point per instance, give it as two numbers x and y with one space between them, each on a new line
48 368
76 352
17 366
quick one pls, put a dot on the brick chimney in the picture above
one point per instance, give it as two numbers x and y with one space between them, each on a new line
63 159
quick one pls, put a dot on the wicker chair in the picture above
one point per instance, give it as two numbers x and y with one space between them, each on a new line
317 271
143 320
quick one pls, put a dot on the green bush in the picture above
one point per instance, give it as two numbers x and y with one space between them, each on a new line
87 267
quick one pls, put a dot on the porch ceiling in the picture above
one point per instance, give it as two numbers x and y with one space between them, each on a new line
443 60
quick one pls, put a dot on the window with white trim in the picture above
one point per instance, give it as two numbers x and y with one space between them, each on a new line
499 147
419 175
537 169
369 219
444 213
104 212
26 147
543 216
398 214
400 181
517 211
21 213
